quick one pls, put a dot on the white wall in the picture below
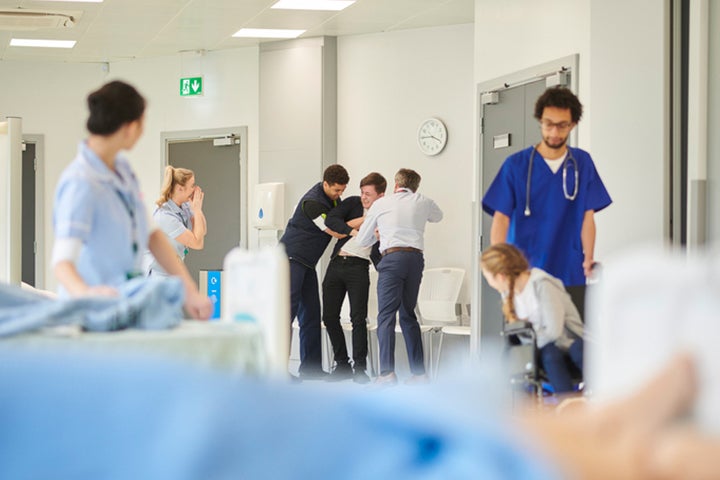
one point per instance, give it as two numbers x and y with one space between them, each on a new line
50 97
387 84
621 85
627 70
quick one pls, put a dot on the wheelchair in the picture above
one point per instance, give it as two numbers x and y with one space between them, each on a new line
522 359
524 366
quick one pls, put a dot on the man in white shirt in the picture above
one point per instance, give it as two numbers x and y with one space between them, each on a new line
400 220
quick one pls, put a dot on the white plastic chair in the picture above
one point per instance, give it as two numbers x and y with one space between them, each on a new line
455 330
439 292
437 304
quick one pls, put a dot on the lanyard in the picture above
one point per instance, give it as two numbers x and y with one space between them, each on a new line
130 209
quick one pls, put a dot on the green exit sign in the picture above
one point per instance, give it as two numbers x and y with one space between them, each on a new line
191 86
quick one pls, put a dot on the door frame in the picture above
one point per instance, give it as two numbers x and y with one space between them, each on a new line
527 75
39 141
212 133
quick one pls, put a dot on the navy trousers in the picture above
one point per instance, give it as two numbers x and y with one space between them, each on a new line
399 276
305 304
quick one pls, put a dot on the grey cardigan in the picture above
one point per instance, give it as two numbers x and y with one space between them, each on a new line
557 319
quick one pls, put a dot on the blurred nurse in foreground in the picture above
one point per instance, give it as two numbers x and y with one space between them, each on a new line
101 227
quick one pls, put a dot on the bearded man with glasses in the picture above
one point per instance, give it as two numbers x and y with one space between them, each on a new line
544 197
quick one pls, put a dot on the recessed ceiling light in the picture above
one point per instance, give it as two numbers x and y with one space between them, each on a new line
313 4
75 1
29 42
267 33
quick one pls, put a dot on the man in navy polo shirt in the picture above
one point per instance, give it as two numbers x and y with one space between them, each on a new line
305 240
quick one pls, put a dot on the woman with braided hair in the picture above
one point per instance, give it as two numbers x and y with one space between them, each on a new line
536 296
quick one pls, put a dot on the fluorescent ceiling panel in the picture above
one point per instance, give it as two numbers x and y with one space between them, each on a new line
75 1
29 42
267 33
335 5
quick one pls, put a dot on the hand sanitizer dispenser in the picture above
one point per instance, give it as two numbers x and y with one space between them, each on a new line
268 206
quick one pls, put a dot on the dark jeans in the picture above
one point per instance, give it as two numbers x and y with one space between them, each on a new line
399 276
305 303
347 275
556 365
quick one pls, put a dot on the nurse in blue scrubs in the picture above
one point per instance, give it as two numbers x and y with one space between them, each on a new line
101 226
550 217
179 214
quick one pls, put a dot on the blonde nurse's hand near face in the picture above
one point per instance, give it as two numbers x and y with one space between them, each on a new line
196 201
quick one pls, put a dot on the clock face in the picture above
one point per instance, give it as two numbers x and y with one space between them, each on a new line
432 136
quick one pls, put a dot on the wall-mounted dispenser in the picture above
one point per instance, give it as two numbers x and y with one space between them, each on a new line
268 206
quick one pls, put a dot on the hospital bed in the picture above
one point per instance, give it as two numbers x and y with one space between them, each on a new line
203 343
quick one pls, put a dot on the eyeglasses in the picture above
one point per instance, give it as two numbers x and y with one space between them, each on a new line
548 125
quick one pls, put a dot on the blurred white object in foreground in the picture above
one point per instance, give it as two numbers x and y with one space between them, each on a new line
256 295
650 305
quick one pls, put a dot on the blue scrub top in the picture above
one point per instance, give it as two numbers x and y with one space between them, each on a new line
550 236
174 220
103 209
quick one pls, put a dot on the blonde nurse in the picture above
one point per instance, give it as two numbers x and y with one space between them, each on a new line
179 214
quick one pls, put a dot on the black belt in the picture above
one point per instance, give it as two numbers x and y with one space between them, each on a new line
400 249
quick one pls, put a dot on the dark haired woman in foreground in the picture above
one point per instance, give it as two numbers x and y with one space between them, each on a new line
101 227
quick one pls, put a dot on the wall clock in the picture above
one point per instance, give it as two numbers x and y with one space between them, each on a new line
432 136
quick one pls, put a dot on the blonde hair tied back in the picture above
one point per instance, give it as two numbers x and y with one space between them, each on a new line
171 178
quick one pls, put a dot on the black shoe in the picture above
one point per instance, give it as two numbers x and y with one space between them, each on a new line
312 375
342 372
359 376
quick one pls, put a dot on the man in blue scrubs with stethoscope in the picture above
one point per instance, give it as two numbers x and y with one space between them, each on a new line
544 198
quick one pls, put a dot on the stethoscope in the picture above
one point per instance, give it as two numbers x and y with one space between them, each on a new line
568 157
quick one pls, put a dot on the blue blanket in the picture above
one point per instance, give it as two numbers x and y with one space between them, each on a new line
146 303
91 416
